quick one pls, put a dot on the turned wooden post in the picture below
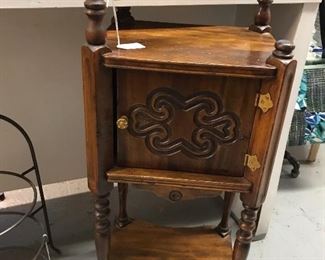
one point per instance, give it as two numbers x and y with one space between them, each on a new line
281 58
99 146
98 104
283 49
95 31
263 17
124 17
245 233
223 228
102 226
123 218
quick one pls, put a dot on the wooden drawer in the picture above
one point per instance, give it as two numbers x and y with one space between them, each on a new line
181 122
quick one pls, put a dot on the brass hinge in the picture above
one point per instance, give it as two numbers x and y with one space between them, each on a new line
264 102
252 162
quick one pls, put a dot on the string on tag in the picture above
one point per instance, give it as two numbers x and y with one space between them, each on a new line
116 23
125 46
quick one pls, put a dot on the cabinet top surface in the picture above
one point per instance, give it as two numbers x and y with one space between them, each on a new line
218 50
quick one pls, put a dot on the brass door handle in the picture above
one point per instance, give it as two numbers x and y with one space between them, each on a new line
122 122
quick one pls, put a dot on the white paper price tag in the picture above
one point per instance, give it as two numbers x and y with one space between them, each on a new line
131 46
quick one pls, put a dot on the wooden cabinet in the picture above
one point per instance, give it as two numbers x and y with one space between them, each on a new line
199 108
184 122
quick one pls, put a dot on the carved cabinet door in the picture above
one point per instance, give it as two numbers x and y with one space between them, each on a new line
184 122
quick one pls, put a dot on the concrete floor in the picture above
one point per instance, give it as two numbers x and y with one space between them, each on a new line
297 229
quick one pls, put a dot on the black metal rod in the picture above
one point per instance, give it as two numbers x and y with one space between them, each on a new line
44 241
296 165
28 212
38 177
36 210
28 171
2 196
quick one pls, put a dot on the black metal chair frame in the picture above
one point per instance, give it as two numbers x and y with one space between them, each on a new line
36 171
295 164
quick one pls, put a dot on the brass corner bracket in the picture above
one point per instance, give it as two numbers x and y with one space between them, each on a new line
252 162
264 102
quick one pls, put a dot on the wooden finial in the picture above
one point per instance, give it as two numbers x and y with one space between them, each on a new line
283 49
95 32
263 17
124 17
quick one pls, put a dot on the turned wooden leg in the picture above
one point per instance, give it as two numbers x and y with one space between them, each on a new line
123 218
245 233
102 227
223 227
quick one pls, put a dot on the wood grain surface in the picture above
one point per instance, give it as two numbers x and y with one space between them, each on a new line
98 109
167 193
178 179
134 87
186 107
234 51
143 241
267 129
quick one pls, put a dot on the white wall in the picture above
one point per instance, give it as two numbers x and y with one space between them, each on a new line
41 88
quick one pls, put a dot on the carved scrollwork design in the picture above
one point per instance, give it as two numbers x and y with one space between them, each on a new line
213 126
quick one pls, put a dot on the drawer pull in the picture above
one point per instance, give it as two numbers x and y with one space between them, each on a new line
122 122
175 195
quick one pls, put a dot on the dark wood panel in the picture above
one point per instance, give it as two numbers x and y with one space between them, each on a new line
98 106
178 179
208 50
134 87
143 241
267 129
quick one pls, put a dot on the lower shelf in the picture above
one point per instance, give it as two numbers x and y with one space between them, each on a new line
179 179
141 240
